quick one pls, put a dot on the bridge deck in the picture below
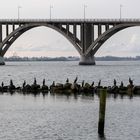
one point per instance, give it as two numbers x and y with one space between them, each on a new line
10 21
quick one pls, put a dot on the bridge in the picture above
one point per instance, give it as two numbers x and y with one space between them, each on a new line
87 36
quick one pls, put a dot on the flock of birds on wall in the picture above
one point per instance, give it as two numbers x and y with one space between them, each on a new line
73 87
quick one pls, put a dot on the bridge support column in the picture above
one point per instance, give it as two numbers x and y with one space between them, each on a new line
2 61
87 60
0 33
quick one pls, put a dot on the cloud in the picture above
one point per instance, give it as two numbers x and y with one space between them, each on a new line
133 39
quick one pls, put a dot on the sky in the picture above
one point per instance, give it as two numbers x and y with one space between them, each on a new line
43 41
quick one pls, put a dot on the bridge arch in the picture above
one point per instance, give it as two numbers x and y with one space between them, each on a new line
85 44
9 40
97 44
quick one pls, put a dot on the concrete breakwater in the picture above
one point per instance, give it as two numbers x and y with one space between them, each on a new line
73 87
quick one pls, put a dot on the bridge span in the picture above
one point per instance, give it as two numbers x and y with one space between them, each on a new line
87 36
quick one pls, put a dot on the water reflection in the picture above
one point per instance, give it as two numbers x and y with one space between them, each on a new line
101 137
69 95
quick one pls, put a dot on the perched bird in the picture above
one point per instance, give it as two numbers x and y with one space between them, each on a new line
24 84
75 79
67 81
83 82
122 84
92 84
115 82
53 84
35 81
11 83
2 84
99 83
43 82
130 81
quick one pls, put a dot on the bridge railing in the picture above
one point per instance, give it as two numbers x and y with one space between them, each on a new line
70 20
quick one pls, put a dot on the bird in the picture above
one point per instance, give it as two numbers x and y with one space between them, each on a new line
24 83
75 79
115 82
2 84
99 83
43 82
67 81
83 83
34 81
92 84
130 81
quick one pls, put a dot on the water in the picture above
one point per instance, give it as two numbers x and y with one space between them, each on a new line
60 117
66 118
60 71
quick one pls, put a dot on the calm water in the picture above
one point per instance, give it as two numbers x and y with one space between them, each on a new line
60 71
68 117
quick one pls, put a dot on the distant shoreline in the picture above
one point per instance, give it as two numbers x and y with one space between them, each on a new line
70 58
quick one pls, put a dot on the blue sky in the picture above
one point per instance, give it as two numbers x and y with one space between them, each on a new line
43 41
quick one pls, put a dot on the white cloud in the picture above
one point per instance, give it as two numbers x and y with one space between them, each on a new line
133 39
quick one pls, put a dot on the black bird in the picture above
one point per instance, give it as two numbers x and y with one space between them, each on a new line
122 84
53 84
35 81
83 82
11 83
67 81
75 79
2 84
92 84
43 82
99 83
130 81
24 84
115 82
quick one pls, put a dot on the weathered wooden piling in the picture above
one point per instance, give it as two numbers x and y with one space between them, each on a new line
102 108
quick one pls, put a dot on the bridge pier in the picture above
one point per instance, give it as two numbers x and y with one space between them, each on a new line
2 61
87 60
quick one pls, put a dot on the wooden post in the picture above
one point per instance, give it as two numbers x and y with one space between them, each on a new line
102 108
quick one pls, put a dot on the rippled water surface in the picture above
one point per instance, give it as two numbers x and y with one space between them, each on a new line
60 71
57 117
66 118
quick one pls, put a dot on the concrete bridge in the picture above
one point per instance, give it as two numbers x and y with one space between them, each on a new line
87 36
